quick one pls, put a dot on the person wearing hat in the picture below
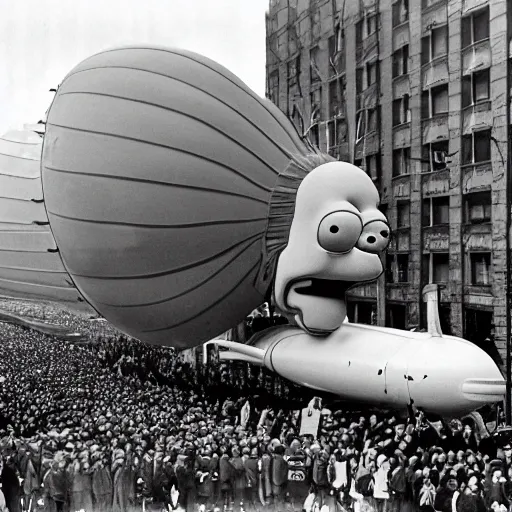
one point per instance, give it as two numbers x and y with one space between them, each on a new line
279 477
80 485
185 476
298 484
238 479
101 482
252 473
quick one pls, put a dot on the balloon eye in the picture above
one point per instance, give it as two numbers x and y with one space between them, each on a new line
375 237
339 231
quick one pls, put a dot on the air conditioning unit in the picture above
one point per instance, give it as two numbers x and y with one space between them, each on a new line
440 157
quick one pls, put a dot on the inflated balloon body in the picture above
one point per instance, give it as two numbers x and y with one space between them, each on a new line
160 171
176 201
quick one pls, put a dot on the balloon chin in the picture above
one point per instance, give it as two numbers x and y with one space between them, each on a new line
319 316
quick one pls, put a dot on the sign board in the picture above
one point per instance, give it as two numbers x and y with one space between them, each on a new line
310 420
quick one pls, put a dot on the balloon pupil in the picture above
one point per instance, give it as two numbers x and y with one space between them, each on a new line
334 229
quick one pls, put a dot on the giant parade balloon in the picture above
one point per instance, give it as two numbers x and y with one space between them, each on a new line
159 172
172 200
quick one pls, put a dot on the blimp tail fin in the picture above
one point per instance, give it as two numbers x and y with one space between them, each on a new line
30 263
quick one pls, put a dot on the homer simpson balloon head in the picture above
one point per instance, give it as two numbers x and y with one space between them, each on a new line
334 242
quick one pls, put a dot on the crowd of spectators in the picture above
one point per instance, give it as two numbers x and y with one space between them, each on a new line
121 426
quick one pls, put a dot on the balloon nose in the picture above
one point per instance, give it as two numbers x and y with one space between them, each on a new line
374 237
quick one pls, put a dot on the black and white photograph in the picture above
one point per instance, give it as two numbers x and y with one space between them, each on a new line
256 256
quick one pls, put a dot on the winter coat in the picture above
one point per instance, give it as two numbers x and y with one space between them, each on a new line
11 489
238 472
204 477
320 472
80 491
279 470
56 484
101 488
31 483
225 473
252 472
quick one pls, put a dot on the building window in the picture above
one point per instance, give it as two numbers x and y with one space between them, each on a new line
401 161
371 25
359 32
400 12
402 267
476 147
480 268
434 45
434 101
362 312
316 105
390 268
361 125
294 71
435 156
273 87
475 88
478 327
373 166
314 135
440 267
373 119
478 207
337 131
396 316
403 218
475 27
401 110
372 73
401 61
436 211
336 52
335 98
314 64
436 268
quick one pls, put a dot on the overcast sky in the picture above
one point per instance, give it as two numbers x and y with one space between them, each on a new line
41 40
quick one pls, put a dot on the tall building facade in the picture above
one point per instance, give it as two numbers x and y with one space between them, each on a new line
415 93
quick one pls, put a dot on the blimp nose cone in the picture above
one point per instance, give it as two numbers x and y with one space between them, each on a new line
452 376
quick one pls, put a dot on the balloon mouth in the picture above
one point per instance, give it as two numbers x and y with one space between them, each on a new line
319 304
327 288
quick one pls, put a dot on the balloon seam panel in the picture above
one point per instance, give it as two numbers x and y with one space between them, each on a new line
176 111
247 90
211 306
254 125
20 157
158 226
153 182
175 270
195 287
165 146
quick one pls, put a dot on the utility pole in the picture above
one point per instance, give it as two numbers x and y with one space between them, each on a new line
508 412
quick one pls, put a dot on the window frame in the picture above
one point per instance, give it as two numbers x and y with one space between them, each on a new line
473 196
431 38
405 161
472 137
473 270
432 208
471 16
472 79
